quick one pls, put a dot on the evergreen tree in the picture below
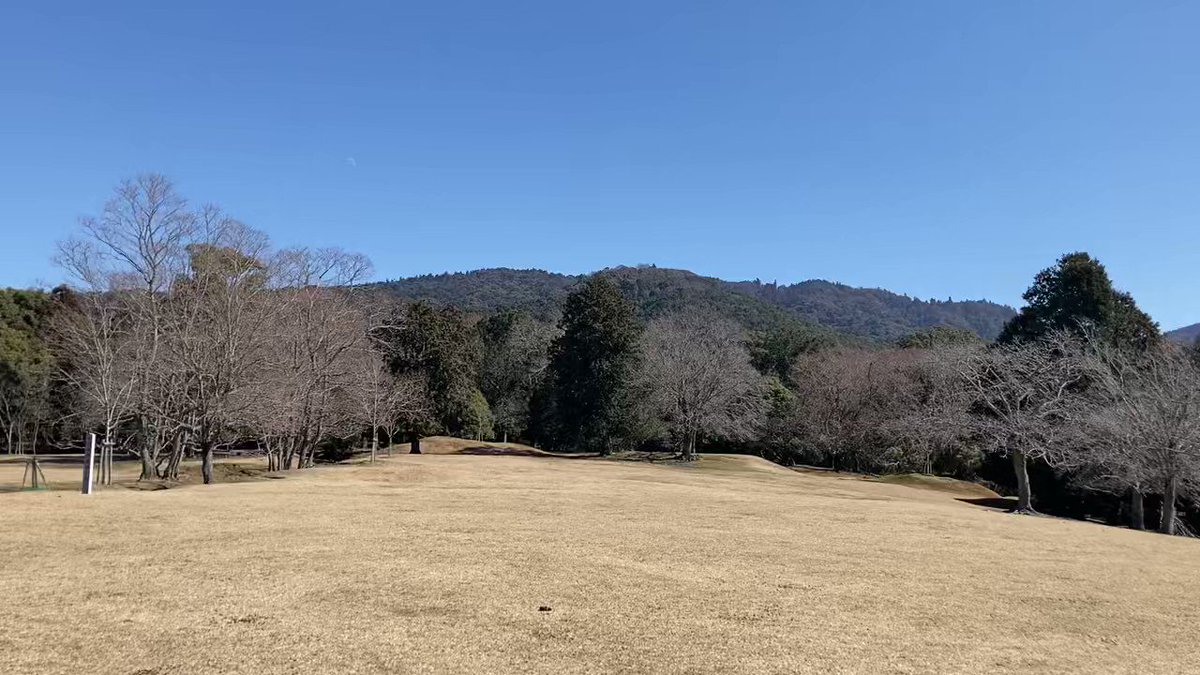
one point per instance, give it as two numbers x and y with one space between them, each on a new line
591 367
774 351
1076 294
29 396
515 357
438 345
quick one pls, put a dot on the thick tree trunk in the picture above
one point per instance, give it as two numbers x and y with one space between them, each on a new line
177 446
206 462
415 446
303 455
147 467
1024 494
374 444
689 446
1137 510
1167 524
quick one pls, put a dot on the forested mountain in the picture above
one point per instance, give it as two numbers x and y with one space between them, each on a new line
1186 335
877 313
490 290
867 313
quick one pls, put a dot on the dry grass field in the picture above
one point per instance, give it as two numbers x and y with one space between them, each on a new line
443 563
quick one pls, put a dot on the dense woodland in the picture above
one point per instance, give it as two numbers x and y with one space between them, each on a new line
856 314
182 333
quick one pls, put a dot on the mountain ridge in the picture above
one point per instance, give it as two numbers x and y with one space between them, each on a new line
871 313
1186 334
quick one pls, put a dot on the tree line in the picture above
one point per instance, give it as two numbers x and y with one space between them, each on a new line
184 332
1080 391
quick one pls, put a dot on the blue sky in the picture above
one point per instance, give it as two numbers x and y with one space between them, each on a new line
933 148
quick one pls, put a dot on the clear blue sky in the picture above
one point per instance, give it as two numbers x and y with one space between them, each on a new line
939 149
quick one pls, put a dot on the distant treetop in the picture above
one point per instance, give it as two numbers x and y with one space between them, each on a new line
1076 294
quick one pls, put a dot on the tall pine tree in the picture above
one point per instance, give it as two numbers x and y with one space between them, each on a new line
591 366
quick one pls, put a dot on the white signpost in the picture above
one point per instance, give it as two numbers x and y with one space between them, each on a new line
89 464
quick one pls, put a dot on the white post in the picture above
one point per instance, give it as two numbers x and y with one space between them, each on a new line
89 464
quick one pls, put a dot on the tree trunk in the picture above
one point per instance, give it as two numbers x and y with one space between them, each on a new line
1167 524
374 444
1137 510
147 468
106 456
1024 494
206 462
177 446
415 446
689 446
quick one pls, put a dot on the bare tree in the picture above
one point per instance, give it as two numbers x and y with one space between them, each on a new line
94 337
186 316
381 399
222 308
1141 425
698 374
307 386
1021 396
133 253
928 416
845 399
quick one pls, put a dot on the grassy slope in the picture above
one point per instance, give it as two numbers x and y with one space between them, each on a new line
439 564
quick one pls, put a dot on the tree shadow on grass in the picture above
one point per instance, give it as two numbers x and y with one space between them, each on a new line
997 503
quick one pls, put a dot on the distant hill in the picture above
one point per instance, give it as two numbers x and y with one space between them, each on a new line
654 291
489 290
865 313
1186 335
877 313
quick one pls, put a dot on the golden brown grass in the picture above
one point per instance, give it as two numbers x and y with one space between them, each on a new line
448 445
440 563
65 472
